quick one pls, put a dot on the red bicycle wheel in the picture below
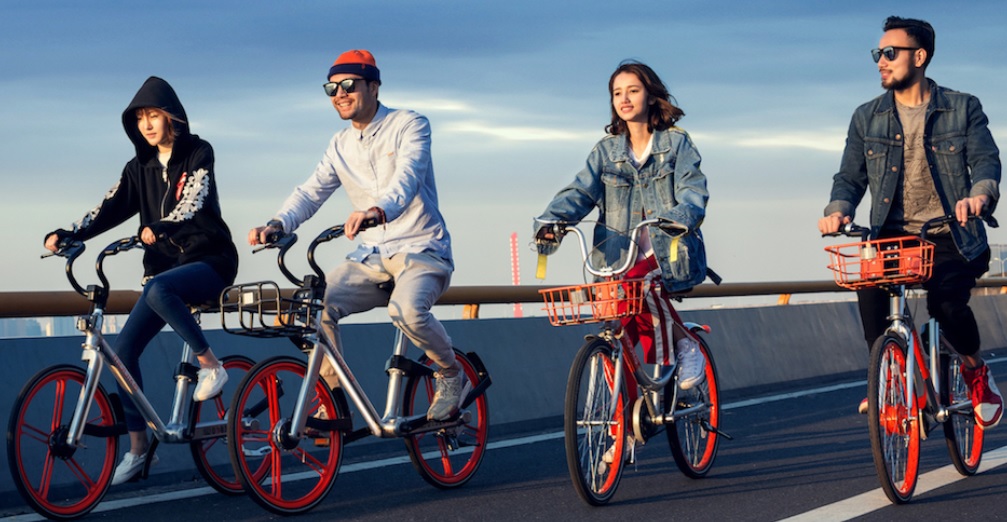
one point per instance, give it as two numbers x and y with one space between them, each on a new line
449 457
893 420
282 474
692 437
594 421
210 454
59 481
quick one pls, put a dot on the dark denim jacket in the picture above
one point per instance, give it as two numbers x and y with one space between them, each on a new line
669 185
964 160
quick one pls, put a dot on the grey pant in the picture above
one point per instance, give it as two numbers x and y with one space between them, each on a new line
419 279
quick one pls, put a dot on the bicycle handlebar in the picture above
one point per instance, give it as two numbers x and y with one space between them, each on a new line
853 230
284 241
71 250
561 228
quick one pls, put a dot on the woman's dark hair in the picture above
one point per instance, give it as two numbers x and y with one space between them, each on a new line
661 115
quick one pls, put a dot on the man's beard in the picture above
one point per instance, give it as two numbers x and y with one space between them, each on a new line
898 84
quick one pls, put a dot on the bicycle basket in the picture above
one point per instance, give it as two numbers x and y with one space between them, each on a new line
882 262
592 303
260 310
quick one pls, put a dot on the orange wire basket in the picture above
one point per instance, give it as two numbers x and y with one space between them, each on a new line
882 262
593 303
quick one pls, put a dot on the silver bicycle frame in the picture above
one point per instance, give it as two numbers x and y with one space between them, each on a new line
900 327
97 352
386 426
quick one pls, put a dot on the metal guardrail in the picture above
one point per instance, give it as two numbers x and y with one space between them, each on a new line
68 303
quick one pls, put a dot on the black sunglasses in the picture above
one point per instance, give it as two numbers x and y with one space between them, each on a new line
349 86
889 52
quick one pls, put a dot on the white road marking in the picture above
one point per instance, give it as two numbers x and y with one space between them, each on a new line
843 510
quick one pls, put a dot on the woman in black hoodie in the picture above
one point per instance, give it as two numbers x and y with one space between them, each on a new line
188 253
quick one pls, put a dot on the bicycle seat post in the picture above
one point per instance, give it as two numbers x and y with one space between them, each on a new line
393 404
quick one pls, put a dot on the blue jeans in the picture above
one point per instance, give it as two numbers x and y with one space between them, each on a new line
165 300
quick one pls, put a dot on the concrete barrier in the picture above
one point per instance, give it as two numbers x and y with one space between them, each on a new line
528 359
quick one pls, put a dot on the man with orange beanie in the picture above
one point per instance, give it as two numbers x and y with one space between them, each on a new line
383 161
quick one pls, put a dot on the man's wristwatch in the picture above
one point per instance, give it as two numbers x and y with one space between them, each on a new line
275 223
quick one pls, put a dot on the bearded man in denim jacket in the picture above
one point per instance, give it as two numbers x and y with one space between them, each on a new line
924 151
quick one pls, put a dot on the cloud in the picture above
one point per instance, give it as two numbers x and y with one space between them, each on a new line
517 133
825 141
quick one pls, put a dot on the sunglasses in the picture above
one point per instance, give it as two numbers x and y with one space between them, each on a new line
349 86
889 52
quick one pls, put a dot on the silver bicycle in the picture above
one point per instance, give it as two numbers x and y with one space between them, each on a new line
286 445
64 428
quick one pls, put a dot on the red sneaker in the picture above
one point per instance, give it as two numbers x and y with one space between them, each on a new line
987 403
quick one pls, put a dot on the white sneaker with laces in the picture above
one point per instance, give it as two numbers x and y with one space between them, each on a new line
209 383
691 363
130 467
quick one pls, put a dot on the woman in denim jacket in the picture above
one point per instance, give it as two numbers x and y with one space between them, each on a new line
644 168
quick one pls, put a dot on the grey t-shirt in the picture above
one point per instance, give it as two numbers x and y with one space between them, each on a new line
916 199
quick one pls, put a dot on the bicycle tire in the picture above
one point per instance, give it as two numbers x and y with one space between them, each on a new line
57 481
693 444
594 424
446 458
963 436
283 476
211 456
893 420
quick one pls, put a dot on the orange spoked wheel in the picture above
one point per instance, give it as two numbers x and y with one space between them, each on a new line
893 420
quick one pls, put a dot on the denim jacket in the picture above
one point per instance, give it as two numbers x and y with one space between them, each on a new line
964 160
669 185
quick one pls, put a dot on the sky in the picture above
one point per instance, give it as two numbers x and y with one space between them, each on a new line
516 93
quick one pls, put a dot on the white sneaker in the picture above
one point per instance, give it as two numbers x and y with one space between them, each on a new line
609 456
130 467
209 383
691 363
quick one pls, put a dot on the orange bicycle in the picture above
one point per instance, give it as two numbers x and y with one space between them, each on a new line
914 378
612 404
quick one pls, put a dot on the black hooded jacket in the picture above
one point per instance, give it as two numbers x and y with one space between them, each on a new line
180 205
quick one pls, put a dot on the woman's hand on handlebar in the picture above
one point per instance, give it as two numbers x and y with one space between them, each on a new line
147 236
830 224
972 206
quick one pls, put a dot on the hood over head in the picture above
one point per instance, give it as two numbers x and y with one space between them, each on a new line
154 92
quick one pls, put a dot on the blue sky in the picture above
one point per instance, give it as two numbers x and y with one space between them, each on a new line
515 92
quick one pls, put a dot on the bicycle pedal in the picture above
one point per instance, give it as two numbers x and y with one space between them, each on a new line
715 431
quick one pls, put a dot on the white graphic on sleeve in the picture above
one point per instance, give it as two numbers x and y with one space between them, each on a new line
193 196
88 218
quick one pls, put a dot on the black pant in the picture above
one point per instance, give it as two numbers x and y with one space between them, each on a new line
948 292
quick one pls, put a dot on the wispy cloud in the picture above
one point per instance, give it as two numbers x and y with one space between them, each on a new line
825 141
517 133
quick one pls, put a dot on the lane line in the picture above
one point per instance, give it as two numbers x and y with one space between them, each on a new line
998 456
874 500
112 505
